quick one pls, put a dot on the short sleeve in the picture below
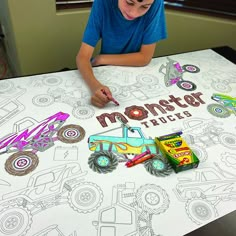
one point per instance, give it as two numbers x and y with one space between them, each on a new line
155 24
92 32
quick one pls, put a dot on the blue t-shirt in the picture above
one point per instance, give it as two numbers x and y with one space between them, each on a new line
119 35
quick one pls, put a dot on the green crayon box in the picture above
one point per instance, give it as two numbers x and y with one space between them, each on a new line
177 151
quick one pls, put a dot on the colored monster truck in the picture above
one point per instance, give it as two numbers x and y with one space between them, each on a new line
39 138
174 74
48 188
225 107
202 189
131 211
113 146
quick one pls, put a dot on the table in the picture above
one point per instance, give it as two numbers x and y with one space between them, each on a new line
54 182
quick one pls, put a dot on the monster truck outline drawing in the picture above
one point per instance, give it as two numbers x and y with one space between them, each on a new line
39 138
202 133
174 74
224 108
9 104
131 210
77 99
203 189
113 146
146 86
53 230
51 187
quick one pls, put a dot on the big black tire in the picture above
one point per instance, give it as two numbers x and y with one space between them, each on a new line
218 110
15 221
186 85
158 166
200 211
103 162
85 197
21 163
191 68
152 199
71 134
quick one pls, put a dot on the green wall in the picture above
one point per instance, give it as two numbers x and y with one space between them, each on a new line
39 39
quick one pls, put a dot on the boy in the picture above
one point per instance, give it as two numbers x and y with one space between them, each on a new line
129 30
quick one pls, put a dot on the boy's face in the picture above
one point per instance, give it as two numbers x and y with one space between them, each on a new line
131 9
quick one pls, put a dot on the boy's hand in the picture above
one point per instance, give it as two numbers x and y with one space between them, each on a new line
101 96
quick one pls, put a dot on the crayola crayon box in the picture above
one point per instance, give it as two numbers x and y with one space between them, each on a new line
176 150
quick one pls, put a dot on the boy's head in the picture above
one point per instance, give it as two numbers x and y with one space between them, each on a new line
132 9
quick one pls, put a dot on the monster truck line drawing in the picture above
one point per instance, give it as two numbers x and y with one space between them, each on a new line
203 189
113 146
48 188
174 74
53 230
76 99
202 133
145 86
225 107
217 80
9 105
39 138
131 211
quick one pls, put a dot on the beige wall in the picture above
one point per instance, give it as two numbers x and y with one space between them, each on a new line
39 39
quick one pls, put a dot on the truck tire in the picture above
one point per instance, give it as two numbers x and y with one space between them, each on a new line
21 163
218 110
83 112
191 68
71 134
103 162
228 140
158 166
15 221
152 199
186 85
85 197
200 211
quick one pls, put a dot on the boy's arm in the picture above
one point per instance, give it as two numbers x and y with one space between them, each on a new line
141 58
84 66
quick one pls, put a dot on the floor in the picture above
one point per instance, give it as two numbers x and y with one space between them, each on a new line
5 70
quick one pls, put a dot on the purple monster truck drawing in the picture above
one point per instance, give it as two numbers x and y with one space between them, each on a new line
25 144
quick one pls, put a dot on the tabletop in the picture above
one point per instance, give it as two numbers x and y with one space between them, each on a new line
63 166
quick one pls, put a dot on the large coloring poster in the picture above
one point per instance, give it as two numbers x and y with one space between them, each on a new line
63 162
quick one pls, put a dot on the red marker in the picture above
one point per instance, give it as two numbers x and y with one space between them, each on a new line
112 99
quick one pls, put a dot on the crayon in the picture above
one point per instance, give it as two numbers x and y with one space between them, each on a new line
138 156
140 160
169 136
